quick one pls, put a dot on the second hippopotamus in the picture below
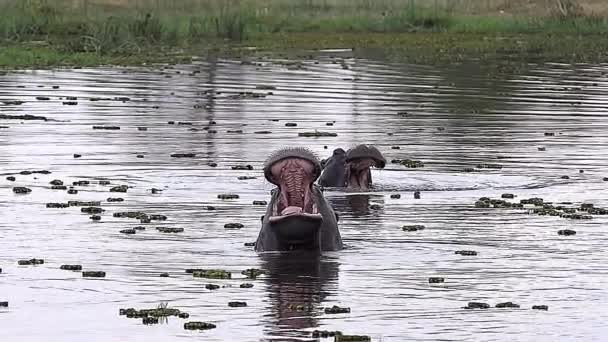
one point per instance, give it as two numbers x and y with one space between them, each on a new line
351 168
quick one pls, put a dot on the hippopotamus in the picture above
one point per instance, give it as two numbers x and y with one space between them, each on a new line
351 169
297 217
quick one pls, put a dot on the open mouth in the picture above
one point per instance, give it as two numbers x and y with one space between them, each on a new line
294 176
359 173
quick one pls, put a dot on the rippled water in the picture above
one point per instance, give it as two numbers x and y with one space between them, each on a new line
457 117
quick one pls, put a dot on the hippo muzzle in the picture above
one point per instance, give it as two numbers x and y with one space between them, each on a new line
295 215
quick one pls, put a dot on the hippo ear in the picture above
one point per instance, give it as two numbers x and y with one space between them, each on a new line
262 218
337 216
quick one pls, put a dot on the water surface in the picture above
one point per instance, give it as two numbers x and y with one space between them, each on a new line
451 118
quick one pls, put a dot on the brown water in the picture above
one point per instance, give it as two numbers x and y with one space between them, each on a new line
383 273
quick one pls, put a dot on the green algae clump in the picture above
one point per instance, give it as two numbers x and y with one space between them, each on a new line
253 273
211 274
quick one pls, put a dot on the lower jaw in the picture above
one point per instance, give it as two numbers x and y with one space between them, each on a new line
297 229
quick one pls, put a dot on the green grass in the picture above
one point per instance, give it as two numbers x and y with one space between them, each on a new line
92 32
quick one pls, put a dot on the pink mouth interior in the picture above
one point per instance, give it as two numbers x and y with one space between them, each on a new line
358 172
294 177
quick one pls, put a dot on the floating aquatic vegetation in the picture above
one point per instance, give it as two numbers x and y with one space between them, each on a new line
540 307
337 310
466 253
131 214
57 205
324 333
170 230
84 204
237 304
33 261
317 134
92 210
227 196
352 338
253 273
507 305
198 326
119 188
436 280
211 274
409 163
110 128
71 267
301 307
21 190
477 305
183 155
21 117
242 167
412 228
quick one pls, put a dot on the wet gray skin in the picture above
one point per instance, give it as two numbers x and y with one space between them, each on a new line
334 168
353 168
297 217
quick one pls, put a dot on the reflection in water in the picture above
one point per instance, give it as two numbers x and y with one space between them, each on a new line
356 204
293 279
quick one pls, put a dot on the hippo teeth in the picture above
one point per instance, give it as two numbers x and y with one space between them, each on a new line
291 210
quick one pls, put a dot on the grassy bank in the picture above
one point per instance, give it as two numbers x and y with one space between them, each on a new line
90 32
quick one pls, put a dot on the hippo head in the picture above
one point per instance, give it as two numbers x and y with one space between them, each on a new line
359 160
337 157
294 213
339 154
